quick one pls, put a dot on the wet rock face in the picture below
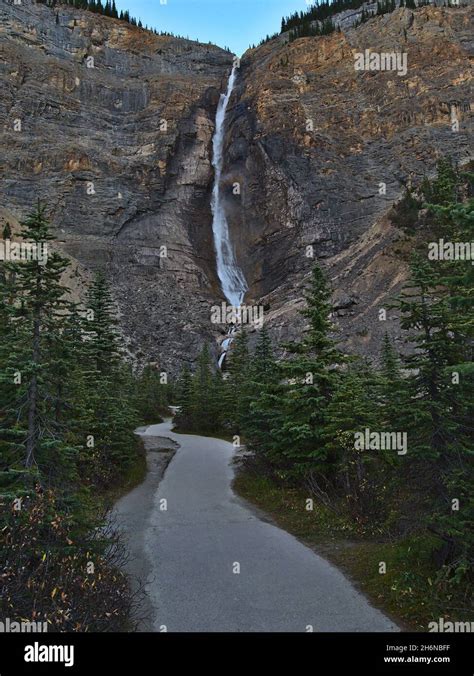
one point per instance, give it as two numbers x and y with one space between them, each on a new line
115 131
323 150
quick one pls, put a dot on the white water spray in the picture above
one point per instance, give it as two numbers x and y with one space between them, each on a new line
230 275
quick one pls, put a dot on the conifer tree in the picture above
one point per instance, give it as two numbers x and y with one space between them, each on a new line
237 386
310 376
152 394
184 392
201 397
42 298
100 326
263 412
55 391
35 310
443 189
205 402
107 409
392 388
441 396
349 471
7 231
425 315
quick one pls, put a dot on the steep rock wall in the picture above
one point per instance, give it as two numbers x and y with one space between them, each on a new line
121 154
311 140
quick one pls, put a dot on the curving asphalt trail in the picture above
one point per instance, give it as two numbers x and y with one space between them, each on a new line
190 551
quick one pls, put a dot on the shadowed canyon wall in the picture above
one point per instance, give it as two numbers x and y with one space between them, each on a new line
322 151
121 153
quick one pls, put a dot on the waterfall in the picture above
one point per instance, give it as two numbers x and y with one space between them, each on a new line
230 275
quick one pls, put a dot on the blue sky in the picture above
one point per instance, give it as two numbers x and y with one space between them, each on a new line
232 23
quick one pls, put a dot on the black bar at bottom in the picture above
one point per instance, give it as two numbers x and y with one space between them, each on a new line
137 654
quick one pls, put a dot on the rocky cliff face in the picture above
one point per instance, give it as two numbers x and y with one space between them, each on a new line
322 151
112 126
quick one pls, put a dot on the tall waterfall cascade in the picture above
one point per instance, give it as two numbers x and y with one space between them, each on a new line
230 275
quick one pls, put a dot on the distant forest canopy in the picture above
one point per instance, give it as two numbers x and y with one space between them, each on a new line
318 12
323 10
317 19
108 8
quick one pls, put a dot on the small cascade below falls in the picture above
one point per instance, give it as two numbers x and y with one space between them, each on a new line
230 275
225 345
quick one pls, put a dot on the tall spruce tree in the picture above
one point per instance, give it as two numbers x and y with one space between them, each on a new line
184 399
352 473
263 413
34 308
392 388
311 376
107 408
237 385
425 315
437 419
205 394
